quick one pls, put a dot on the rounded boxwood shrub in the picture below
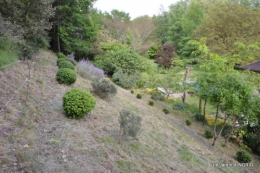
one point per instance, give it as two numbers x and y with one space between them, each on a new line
243 157
132 92
208 134
103 88
60 60
188 122
66 76
61 55
139 96
78 102
166 111
150 102
66 64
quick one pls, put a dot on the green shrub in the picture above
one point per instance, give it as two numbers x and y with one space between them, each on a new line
78 102
157 96
103 87
125 80
178 107
66 76
140 84
150 102
188 122
127 60
61 55
243 157
66 64
166 111
253 142
60 60
208 134
139 96
199 117
130 124
132 92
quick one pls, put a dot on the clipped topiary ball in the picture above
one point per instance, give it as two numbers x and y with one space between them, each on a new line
60 60
66 76
139 96
61 55
78 102
66 64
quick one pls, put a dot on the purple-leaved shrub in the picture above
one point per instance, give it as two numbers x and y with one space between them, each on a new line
87 70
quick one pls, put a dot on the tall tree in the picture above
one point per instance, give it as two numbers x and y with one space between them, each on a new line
227 23
141 29
74 30
33 18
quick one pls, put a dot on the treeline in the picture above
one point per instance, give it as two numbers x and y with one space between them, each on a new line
62 25
222 22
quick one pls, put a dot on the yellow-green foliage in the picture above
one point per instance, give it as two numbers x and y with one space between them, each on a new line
78 102
150 90
211 119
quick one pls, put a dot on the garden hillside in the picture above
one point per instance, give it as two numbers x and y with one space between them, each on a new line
36 136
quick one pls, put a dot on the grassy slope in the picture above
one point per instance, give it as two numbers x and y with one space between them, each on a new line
35 136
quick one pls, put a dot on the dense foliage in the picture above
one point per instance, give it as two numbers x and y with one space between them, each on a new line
66 64
125 59
26 23
66 76
243 157
78 102
165 56
73 29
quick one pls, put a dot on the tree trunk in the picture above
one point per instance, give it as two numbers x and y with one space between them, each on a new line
200 105
204 112
185 80
215 123
229 135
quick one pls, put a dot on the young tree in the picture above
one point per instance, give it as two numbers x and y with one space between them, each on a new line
165 56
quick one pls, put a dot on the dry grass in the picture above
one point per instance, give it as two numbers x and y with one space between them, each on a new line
35 136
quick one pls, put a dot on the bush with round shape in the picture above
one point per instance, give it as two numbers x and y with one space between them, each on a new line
208 134
66 64
103 87
188 122
243 157
139 96
61 55
78 102
66 76
150 102
60 60
166 111
132 92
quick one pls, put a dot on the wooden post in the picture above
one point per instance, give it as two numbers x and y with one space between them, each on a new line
185 80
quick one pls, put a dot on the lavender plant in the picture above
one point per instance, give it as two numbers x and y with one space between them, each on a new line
87 70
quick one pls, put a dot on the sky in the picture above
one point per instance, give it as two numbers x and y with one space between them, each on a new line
135 8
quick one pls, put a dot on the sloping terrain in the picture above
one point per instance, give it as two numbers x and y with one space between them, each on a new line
35 136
